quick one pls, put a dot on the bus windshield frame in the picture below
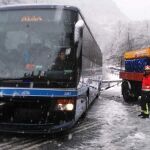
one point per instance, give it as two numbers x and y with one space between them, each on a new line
31 42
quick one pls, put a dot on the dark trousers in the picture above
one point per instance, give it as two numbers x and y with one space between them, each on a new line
145 100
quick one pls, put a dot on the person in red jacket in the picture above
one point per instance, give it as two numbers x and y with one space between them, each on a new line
145 99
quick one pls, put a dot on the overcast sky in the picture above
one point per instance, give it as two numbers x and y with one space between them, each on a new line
135 9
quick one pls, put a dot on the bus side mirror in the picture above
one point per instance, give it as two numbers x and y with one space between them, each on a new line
78 30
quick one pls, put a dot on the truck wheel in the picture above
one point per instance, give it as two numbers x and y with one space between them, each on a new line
127 92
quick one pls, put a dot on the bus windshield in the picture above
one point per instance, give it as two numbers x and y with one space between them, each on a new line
36 42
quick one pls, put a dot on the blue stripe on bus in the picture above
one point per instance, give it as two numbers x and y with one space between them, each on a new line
37 92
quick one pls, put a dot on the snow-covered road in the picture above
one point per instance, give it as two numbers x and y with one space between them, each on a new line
119 127
110 124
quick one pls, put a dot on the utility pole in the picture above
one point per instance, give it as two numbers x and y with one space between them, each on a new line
128 38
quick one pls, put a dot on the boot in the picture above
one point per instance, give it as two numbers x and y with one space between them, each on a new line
145 116
141 114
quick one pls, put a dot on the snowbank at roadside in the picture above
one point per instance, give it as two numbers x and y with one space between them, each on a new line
114 91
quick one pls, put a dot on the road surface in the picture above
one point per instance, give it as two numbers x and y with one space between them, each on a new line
110 124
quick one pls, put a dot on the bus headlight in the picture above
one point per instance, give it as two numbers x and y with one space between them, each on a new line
65 104
69 107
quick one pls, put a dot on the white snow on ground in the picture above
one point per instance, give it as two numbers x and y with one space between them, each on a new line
115 91
110 74
119 127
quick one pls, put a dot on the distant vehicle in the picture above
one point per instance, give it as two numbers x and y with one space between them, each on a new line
48 59
135 62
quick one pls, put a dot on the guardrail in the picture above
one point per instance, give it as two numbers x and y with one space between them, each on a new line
109 83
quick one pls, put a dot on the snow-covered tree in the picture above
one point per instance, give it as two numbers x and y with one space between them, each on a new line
127 36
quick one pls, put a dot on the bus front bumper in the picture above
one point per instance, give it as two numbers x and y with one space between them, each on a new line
35 128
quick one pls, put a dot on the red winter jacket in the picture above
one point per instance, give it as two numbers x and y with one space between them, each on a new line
146 83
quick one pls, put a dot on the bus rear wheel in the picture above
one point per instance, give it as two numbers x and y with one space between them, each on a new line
99 90
87 105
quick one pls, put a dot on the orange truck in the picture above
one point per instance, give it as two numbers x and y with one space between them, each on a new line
132 76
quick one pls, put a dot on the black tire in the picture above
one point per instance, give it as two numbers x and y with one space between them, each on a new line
87 106
127 92
99 90
87 102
